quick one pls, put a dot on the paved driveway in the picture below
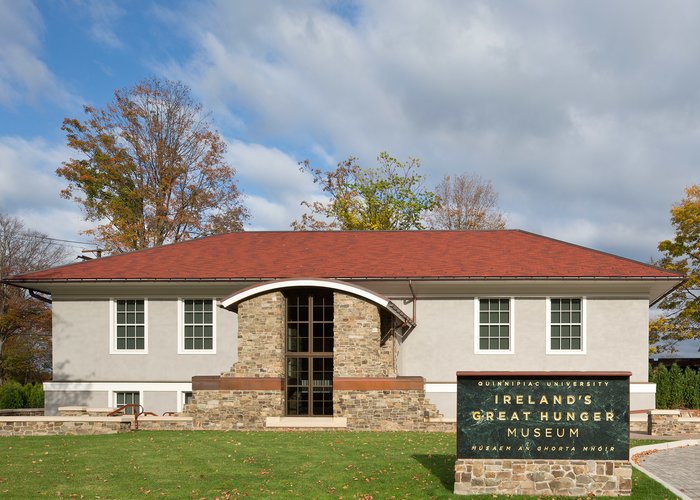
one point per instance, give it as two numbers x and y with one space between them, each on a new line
679 467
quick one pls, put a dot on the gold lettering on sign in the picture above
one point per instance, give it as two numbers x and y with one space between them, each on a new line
548 432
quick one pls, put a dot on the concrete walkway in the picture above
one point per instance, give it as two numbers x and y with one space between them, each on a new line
676 465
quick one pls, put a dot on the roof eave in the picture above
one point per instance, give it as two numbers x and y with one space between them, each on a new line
679 278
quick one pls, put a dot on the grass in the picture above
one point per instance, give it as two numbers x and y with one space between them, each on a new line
257 464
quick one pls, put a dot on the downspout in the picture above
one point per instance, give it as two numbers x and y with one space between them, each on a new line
39 297
413 295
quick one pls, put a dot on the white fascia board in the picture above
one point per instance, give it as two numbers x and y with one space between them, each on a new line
317 283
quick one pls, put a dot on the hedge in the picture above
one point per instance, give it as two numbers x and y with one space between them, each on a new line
675 387
15 395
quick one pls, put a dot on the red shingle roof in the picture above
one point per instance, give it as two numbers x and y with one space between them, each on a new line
357 254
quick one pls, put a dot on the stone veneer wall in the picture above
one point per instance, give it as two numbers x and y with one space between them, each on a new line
671 422
392 410
86 425
260 337
62 426
234 410
356 345
358 352
543 477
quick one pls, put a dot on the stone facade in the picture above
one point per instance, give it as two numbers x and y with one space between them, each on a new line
392 410
234 410
671 423
543 477
364 350
260 337
357 347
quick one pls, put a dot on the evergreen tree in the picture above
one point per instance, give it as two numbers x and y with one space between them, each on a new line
691 392
675 395
662 386
11 395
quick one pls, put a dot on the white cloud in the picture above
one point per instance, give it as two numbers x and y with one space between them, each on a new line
586 116
103 15
274 185
24 77
29 189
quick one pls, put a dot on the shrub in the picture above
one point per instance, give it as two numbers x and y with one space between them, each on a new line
676 388
36 396
662 386
12 395
676 380
691 388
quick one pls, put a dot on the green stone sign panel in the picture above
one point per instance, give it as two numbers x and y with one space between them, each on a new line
580 416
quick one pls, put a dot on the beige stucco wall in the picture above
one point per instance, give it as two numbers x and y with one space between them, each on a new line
443 341
81 345
53 400
441 344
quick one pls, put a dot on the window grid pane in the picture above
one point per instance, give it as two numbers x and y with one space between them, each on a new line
198 325
131 325
127 398
494 324
565 325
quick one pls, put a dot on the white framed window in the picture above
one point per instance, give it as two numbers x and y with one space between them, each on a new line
185 399
128 326
566 325
493 325
196 326
121 398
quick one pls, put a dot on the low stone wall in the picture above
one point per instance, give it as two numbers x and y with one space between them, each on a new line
543 477
21 412
672 422
165 423
234 410
87 425
389 410
639 422
70 426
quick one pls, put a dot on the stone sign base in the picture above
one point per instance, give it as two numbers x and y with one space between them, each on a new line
543 477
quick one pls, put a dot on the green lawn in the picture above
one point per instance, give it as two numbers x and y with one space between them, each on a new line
256 464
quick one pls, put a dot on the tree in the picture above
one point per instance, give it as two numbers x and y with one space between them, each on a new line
663 386
465 202
27 358
21 251
680 310
675 393
151 171
691 387
390 196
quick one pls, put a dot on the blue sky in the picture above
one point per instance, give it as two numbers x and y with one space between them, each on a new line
584 115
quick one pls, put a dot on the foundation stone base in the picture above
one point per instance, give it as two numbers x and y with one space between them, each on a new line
543 477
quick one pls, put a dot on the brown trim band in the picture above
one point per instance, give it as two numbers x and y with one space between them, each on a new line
217 383
377 384
544 374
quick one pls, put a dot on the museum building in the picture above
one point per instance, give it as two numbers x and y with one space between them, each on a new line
355 330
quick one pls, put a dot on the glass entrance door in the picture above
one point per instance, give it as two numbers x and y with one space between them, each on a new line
309 357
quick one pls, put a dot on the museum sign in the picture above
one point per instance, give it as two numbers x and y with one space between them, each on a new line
548 415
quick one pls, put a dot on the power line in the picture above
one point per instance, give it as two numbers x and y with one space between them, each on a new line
29 237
